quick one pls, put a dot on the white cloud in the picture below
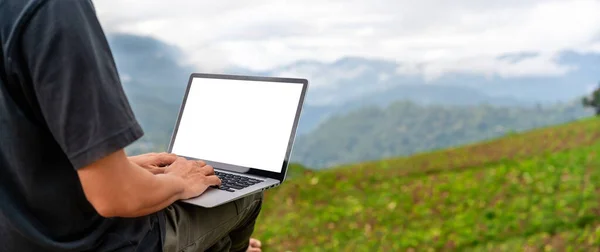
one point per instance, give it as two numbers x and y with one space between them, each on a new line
125 78
382 77
591 87
323 78
430 37
541 65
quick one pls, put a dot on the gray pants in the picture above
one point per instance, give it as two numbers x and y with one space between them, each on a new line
224 228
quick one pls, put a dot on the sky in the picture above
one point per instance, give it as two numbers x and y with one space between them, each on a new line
429 37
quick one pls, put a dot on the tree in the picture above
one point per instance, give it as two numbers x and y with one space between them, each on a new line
593 101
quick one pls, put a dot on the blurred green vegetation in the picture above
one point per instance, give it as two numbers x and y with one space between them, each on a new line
406 128
593 101
533 191
297 170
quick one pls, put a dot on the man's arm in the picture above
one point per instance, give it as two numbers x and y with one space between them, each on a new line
84 107
134 191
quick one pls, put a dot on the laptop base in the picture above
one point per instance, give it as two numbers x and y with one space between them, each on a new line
213 197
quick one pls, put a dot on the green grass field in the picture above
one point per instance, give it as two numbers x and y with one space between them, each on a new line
536 191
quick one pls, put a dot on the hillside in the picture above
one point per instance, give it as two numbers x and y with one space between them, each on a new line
536 191
313 115
405 128
155 78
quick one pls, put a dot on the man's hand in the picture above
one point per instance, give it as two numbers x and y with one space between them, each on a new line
196 176
117 187
154 162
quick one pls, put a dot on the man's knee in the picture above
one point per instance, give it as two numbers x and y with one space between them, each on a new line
259 196
250 203
186 224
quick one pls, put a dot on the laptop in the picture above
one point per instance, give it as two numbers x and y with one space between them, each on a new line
243 126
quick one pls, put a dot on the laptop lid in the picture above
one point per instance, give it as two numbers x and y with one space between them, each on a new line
245 124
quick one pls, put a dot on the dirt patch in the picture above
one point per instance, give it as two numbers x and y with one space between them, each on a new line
556 242
529 248
450 245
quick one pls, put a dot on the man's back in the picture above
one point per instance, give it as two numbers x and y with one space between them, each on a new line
58 94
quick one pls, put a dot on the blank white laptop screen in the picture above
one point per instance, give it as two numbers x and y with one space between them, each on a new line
238 122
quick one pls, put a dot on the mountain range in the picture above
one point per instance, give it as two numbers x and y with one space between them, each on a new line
154 79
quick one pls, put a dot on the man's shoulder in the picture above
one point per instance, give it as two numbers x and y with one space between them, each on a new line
16 14
15 10
21 19
24 6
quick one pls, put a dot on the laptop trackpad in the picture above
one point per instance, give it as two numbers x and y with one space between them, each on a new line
214 197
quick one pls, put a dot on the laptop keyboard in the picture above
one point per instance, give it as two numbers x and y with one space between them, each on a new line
231 182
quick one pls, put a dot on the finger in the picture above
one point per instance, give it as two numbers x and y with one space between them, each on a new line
166 158
157 170
200 163
212 180
178 160
197 167
207 170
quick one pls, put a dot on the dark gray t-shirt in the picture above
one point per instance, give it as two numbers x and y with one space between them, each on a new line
62 107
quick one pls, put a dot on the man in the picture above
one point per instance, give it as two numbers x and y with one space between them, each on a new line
65 182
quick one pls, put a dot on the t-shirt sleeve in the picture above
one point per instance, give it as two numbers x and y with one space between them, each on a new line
76 81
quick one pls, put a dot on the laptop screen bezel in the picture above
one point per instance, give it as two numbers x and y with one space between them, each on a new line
248 170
